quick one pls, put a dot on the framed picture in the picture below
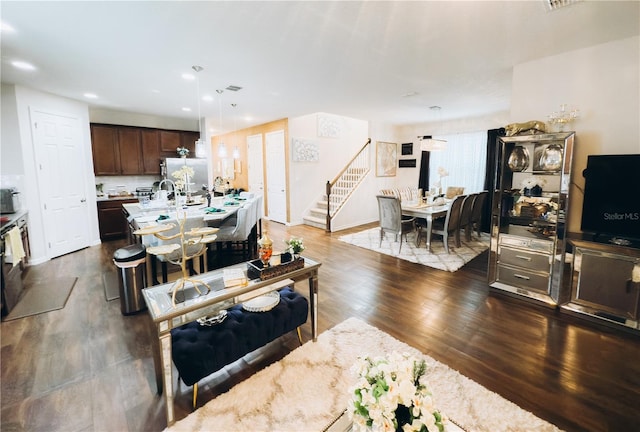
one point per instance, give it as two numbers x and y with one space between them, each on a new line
305 150
407 163
386 156
328 126
407 149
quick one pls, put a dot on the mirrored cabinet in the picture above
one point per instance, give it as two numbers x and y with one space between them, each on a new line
529 210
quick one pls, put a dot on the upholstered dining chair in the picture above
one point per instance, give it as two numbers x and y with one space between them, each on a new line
453 191
476 213
240 231
391 220
465 217
449 224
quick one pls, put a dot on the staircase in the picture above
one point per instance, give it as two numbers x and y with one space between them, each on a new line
339 190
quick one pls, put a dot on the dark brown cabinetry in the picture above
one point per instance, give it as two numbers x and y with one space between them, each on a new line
169 141
104 143
150 139
116 150
130 150
111 219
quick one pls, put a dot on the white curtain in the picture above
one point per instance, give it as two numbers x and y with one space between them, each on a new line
464 159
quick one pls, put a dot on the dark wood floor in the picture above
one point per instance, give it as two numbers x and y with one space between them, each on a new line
88 367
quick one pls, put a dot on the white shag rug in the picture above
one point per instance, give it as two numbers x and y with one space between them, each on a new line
308 389
437 258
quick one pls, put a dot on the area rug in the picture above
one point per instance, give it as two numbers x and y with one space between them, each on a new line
44 296
308 388
437 258
110 285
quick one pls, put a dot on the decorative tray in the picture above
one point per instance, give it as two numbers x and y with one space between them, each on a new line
263 303
257 270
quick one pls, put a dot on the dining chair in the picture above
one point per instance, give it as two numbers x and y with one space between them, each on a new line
449 224
465 217
173 257
238 234
391 220
453 191
476 213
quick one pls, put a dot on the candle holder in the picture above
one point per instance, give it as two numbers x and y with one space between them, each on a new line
196 236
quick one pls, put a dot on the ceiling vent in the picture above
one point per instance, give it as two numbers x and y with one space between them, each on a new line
234 88
557 4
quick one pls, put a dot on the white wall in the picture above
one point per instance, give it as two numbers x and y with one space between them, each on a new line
307 180
603 82
11 161
27 99
124 118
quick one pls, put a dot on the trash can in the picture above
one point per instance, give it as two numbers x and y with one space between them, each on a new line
131 260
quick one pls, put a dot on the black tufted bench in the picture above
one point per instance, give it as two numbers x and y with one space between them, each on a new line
198 351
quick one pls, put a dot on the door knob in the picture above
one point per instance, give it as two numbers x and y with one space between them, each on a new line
83 200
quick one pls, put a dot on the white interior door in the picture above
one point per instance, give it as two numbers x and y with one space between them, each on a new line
255 170
276 177
59 157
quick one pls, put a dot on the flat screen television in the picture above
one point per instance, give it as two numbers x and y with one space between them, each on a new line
611 206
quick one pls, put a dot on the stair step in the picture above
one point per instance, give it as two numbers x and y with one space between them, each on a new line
318 213
315 222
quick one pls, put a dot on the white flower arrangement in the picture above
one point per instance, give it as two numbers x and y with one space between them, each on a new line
533 181
182 177
295 245
393 394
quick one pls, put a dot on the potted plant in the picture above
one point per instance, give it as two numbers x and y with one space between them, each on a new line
295 246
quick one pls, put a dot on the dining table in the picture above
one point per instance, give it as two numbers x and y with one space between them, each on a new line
428 212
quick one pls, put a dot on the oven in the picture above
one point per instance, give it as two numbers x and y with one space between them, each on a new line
12 284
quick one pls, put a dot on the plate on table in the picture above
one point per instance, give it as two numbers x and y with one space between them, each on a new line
262 303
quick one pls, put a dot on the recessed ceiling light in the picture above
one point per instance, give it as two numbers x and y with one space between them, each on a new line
186 109
207 98
155 91
23 65
91 95
188 76
409 94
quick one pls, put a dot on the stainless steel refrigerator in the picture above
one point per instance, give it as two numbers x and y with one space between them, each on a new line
200 172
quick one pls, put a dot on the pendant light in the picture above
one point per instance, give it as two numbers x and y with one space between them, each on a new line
236 150
201 150
222 149
428 143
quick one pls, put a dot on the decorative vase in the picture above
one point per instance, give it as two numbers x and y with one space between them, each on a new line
265 249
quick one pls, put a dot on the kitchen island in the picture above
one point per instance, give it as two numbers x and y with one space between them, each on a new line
159 213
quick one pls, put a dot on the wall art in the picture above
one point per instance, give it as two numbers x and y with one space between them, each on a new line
329 126
407 149
407 163
386 156
305 150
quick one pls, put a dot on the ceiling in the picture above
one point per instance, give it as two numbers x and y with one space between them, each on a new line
375 61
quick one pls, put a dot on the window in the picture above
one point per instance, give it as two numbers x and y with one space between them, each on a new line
464 159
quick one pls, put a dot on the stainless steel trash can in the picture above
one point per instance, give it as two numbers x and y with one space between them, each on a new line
131 261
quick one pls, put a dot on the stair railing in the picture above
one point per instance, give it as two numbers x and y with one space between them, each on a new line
342 186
